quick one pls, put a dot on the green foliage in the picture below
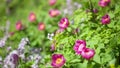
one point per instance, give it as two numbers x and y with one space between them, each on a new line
104 39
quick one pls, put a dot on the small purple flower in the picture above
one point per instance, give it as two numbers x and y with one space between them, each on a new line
88 53
64 23
36 59
95 10
52 47
15 58
105 19
79 46
21 47
9 48
104 3
11 60
58 60
2 42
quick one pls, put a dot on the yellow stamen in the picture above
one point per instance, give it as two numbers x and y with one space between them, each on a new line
32 17
106 19
58 61
105 0
64 23
53 13
19 25
42 26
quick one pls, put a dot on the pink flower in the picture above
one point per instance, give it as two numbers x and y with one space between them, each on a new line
52 47
88 53
52 2
32 17
54 12
41 26
64 23
19 25
105 19
79 46
104 3
58 60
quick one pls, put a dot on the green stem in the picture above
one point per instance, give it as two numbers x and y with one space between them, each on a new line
91 9
91 5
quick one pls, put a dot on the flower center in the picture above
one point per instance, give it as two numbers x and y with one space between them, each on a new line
41 26
32 17
88 53
58 61
81 47
54 13
106 19
105 0
64 23
19 25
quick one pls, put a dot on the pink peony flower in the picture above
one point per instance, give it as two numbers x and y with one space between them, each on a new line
54 12
105 19
104 3
41 26
19 25
79 46
32 17
64 23
58 60
88 53
52 2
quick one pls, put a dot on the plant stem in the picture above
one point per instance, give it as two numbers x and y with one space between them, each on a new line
91 5
91 9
